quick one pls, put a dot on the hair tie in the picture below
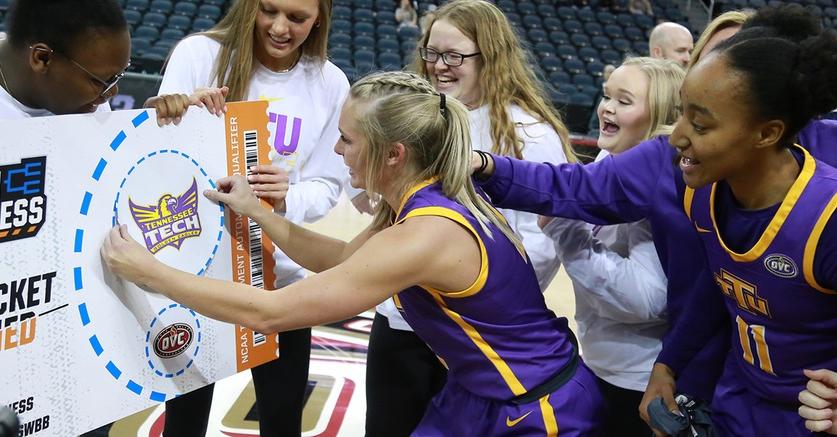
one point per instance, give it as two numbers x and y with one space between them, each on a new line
442 108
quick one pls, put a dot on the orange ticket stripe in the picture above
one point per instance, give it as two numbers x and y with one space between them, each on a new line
252 348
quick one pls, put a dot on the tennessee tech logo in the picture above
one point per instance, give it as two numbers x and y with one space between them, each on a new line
170 221
173 340
22 199
744 293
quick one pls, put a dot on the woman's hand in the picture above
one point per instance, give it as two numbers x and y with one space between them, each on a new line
126 258
270 183
235 192
213 99
660 385
170 107
819 401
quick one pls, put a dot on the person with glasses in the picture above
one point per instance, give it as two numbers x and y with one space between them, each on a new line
274 50
62 57
67 57
435 243
468 51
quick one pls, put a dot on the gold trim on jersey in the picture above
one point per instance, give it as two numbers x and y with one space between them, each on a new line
448 213
505 371
413 190
688 197
778 219
811 246
550 424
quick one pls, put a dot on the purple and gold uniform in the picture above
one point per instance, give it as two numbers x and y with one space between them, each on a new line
784 320
513 367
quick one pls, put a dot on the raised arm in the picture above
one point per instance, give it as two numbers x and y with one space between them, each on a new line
312 250
375 272
618 189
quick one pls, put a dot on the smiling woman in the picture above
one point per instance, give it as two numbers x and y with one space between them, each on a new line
619 283
757 204
62 57
273 50
514 367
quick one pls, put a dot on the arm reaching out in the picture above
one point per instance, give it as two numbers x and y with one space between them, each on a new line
368 277
314 251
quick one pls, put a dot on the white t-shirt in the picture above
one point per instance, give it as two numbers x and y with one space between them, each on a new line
540 144
620 296
305 104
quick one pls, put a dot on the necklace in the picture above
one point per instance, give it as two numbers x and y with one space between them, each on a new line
296 61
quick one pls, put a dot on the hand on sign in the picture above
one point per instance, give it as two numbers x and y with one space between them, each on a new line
126 258
270 183
235 192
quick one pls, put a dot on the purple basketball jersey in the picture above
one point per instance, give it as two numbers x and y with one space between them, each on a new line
497 338
783 321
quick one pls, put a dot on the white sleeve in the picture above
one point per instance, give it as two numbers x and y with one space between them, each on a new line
323 174
628 290
184 71
541 144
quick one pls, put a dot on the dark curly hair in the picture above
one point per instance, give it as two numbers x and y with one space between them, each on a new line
59 23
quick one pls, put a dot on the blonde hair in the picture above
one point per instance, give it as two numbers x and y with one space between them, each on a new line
724 21
235 63
664 80
506 77
401 107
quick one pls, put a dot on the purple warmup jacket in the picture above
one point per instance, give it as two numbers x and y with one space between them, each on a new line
641 183
497 337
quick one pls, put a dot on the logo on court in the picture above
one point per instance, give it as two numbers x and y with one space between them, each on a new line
780 265
169 221
173 340
22 198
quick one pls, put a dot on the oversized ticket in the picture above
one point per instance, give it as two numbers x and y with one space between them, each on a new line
78 347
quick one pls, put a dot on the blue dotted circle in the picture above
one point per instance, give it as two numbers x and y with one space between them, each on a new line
148 341
78 273
203 172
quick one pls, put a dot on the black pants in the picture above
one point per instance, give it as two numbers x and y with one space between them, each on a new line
280 394
623 411
402 375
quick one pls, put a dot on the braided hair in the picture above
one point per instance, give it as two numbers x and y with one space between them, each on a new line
401 107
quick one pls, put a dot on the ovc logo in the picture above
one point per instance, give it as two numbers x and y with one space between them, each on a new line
173 340
780 265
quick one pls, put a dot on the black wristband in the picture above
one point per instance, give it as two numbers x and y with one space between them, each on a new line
484 157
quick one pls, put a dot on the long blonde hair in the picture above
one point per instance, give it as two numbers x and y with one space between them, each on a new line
401 107
664 80
236 61
724 21
506 77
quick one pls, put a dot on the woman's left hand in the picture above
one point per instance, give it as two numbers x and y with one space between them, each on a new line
270 183
126 258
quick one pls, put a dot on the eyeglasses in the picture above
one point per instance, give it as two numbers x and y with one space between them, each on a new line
107 85
451 59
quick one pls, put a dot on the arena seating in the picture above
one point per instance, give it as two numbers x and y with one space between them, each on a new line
570 45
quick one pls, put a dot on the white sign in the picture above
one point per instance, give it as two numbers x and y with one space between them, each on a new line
78 347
